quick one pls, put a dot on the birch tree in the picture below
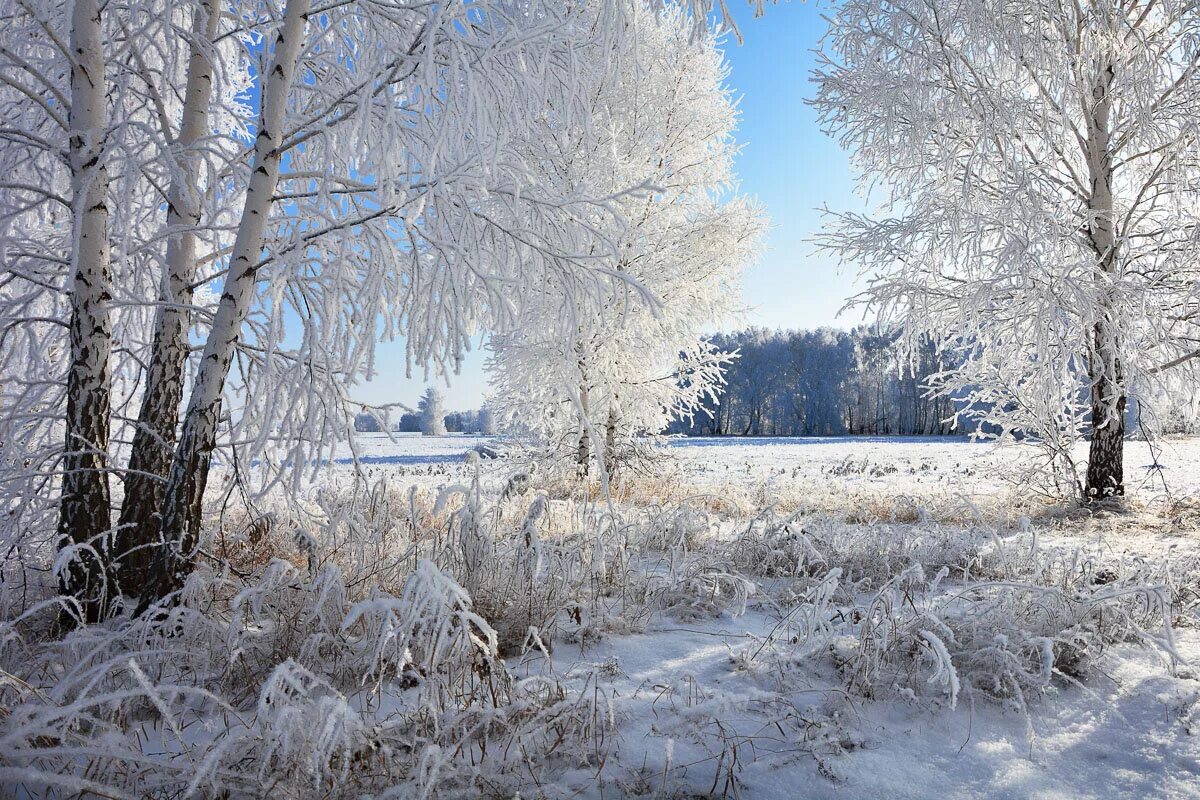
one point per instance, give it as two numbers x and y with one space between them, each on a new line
1037 165
78 200
189 470
387 181
587 379
154 436
85 494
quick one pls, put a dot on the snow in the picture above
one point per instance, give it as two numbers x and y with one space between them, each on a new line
1115 739
1132 730
407 449
975 467
1121 742
927 468
736 650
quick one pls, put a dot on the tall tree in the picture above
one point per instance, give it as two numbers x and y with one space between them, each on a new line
1039 159
154 436
188 476
84 518
587 374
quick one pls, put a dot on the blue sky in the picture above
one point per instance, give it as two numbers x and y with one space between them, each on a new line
786 162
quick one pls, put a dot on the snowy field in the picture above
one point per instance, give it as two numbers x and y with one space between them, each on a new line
844 618
834 473
702 710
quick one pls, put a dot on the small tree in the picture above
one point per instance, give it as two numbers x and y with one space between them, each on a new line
433 414
485 422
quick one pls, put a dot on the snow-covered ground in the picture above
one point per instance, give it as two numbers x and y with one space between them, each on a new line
837 472
831 618
407 449
694 718
1132 733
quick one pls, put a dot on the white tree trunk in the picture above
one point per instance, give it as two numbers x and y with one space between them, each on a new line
84 517
154 439
583 452
1105 472
180 526
610 438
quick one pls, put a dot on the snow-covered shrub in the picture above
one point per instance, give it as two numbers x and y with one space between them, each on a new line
805 630
776 548
700 587
1009 641
429 637
682 528
872 554
934 612
868 555
303 741
282 680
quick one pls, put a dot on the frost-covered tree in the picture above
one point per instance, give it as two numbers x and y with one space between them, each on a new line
89 96
266 191
485 422
433 413
197 147
395 184
1038 161
586 378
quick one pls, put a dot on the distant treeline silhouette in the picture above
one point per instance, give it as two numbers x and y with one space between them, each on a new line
477 422
823 382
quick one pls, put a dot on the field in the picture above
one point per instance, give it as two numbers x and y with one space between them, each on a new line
747 618
689 699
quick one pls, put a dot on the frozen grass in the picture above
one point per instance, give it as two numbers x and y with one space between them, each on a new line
742 624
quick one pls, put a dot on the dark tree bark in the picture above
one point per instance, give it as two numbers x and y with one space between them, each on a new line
154 439
1105 472
84 511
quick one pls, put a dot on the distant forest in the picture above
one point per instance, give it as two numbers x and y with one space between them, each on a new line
456 422
828 382
824 382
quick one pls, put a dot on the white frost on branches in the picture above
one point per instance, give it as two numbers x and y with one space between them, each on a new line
587 378
432 412
1038 167
353 173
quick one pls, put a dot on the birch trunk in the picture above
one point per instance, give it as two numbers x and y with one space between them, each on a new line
583 452
154 439
84 513
1105 472
184 492
610 440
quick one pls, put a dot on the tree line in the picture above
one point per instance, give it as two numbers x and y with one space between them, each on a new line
431 418
823 382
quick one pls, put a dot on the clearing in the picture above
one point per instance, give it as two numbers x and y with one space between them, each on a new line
850 618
